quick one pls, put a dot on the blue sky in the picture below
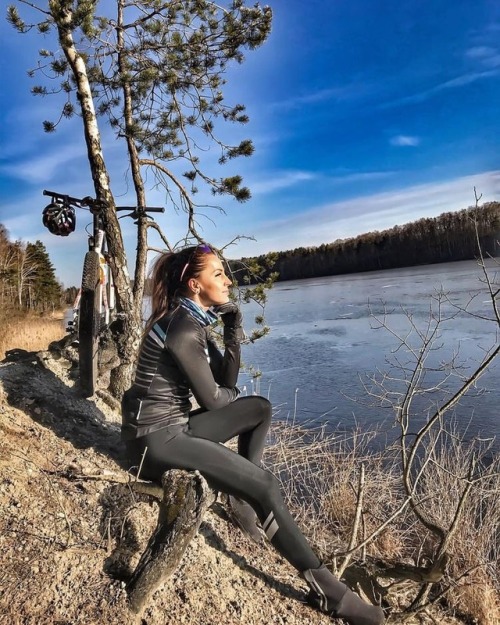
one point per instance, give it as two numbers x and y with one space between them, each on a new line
364 115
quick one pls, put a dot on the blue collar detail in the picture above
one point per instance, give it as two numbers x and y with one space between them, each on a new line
204 317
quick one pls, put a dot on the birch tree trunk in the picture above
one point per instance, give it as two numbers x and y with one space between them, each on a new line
128 337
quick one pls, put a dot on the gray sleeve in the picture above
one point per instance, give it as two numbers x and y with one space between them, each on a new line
188 347
225 367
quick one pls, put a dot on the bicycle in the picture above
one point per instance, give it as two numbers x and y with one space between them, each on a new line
95 303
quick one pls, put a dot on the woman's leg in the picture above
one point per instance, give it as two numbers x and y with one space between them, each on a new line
230 473
248 418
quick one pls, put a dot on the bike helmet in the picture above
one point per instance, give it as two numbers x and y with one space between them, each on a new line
59 218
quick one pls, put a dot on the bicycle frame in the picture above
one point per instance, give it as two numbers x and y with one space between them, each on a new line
107 296
98 244
96 302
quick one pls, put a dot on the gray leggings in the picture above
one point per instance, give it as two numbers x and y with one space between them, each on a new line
239 474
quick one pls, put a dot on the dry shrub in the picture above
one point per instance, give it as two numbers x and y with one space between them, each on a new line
29 331
320 471
477 599
475 547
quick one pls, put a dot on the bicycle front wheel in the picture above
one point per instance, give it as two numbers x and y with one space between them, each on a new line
89 324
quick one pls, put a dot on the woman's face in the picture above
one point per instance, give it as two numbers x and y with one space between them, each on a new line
211 286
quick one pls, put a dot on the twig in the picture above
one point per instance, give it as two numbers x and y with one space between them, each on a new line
357 518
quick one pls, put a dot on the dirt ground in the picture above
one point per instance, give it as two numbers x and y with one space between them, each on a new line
70 535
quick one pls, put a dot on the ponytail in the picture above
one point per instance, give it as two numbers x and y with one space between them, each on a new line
159 293
169 276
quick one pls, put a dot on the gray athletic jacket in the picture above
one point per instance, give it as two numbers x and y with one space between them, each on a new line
178 358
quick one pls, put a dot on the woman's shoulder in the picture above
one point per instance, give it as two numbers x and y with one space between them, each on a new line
179 323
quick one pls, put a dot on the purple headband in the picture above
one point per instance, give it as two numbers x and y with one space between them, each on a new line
206 249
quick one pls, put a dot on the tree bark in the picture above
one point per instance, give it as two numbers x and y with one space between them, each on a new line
186 497
127 346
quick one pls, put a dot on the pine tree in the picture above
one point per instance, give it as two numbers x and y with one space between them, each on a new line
44 291
155 69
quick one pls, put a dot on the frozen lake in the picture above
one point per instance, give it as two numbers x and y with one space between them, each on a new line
323 343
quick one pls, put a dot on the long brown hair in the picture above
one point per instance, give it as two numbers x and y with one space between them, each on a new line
169 277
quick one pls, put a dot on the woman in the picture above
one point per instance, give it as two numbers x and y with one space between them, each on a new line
178 358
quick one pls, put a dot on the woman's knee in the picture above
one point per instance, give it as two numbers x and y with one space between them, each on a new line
256 408
266 408
263 407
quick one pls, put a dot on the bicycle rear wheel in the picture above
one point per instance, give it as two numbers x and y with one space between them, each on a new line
89 324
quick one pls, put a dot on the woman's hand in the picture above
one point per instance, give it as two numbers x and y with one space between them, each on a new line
232 319
230 315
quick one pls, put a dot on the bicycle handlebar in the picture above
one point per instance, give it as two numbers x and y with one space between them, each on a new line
79 202
142 209
94 204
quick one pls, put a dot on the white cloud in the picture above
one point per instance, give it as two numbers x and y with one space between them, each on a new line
460 81
487 55
359 176
352 91
44 167
286 179
405 141
479 52
465 79
281 180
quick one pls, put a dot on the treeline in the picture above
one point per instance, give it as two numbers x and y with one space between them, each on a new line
27 278
449 237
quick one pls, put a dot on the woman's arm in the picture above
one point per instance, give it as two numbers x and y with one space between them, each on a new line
186 342
225 367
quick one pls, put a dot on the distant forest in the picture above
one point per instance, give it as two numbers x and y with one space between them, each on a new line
448 237
27 278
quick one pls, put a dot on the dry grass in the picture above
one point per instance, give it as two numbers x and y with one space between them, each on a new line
320 475
320 472
475 548
30 332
